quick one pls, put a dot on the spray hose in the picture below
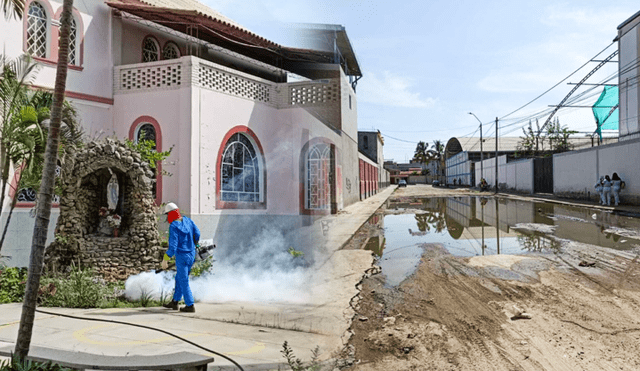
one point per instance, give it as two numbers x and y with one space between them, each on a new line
146 327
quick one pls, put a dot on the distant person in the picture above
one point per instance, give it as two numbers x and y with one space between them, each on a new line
183 237
616 185
606 189
599 189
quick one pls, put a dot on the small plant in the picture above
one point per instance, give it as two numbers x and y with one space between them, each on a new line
297 364
145 298
81 289
27 365
295 253
201 266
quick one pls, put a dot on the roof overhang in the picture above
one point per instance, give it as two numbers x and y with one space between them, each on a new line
232 37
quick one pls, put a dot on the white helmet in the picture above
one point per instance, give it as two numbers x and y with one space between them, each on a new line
170 207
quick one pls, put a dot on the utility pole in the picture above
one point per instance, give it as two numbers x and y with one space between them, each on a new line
496 156
481 153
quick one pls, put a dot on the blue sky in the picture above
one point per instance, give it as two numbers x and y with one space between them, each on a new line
426 64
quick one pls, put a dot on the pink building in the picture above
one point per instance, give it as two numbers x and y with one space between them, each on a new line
250 147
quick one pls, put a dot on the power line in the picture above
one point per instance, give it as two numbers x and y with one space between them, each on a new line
554 86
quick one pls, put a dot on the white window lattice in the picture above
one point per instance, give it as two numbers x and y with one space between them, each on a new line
151 77
313 94
37 31
240 180
73 50
231 84
170 51
317 184
150 50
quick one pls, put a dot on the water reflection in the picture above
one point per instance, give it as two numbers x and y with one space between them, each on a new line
471 226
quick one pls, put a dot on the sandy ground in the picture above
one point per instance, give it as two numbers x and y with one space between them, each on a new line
539 312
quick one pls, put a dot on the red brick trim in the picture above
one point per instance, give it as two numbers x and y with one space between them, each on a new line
132 131
54 63
81 96
240 205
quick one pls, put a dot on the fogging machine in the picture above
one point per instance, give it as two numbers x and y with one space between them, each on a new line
203 251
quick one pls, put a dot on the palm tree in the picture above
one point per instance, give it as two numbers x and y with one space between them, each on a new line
437 153
14 78
43 211
25 148
27 143
437 150
422 153
14 7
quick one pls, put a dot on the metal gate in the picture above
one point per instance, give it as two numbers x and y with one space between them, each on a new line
543 175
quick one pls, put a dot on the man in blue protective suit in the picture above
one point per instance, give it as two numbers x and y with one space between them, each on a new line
183 237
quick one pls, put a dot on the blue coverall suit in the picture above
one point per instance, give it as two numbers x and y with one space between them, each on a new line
183 236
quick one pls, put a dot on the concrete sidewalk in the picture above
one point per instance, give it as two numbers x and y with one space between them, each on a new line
250 333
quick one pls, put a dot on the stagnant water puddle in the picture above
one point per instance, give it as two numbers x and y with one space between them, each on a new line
473 226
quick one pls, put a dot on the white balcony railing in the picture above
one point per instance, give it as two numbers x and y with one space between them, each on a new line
192 71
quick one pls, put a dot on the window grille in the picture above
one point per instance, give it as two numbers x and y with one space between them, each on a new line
37 31
146 131
170 51
150 50
240 180
317 184
30 194
73 50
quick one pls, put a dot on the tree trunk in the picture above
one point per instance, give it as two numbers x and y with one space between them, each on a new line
5 178
14 201
43 211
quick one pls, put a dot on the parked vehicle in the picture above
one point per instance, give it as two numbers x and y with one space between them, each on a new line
402 183
435 183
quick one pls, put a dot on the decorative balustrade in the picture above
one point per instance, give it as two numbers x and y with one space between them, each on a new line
192 71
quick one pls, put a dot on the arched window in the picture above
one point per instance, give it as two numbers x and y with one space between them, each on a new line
145 131
150 50
37 30
73 43
148 128
170 51
240 171
317 192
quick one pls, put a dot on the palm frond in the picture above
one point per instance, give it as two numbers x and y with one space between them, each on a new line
13 8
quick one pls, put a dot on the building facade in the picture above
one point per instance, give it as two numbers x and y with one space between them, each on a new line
249 147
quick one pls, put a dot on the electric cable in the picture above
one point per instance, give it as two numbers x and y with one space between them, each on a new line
145 327
554 86
401 140
630 66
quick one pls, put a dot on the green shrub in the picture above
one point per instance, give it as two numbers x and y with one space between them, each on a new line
81 289
15 365
201 266
12 284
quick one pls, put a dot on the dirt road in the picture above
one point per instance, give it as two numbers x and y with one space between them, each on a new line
503 312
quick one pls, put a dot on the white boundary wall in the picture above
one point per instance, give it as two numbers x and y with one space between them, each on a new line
514 176
575 173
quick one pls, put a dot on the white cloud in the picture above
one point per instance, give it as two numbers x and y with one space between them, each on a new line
390 89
